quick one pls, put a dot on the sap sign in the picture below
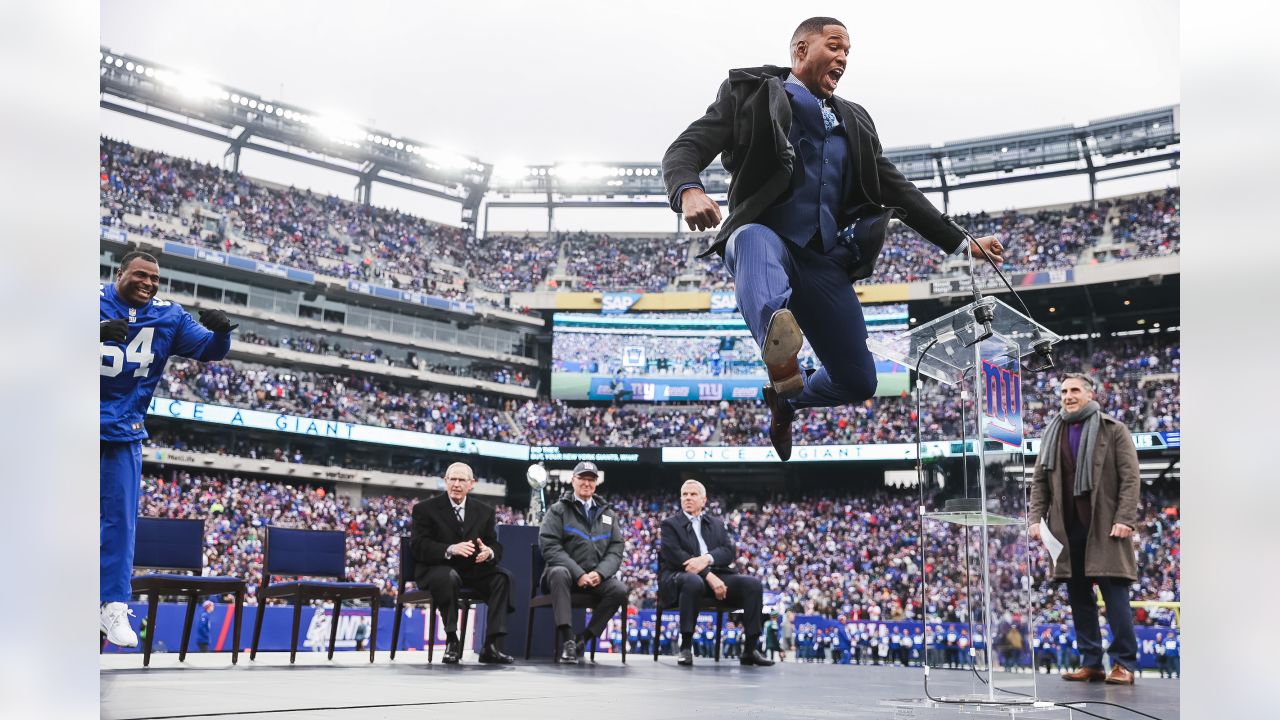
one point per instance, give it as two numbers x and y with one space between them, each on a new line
723 302
617 303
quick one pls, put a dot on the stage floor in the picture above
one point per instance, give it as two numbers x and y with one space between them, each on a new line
346 688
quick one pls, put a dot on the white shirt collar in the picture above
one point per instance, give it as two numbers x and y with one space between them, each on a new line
462 505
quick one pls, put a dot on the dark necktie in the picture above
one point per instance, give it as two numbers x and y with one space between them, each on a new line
457 510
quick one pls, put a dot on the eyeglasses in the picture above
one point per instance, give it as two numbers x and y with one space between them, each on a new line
457 480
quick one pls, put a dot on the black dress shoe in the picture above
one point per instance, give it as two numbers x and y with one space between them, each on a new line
569 652
754 657
781 414
452 652
492 655
686 657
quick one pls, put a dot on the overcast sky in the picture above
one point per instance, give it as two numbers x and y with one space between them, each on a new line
599 82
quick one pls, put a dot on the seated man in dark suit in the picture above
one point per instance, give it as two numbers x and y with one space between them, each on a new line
696 561
455 543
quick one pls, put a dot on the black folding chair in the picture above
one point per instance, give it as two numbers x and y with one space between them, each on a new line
578 601
408 571
310 553
173 544
707 603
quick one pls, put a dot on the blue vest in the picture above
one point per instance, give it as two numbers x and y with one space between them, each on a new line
812 204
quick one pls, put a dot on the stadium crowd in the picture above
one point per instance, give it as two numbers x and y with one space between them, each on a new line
204 205
854 557
370 353
1138 376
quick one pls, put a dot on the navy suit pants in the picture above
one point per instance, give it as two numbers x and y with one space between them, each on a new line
770 274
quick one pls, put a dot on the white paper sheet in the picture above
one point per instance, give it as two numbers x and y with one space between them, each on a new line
1050 542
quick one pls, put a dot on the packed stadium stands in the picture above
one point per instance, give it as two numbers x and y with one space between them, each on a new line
851 556
158 195
1138 375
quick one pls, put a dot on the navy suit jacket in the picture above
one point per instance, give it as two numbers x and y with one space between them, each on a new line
678 543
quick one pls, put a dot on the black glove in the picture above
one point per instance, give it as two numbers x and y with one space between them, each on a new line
115 331
217 321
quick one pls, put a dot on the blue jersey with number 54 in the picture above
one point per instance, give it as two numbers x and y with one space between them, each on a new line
131 370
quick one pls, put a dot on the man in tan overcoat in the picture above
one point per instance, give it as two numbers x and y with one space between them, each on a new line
1086 488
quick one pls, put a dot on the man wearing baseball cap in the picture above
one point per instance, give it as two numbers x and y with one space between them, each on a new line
581 540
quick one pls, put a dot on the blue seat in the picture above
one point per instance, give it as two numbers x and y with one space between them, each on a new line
309 554
175 544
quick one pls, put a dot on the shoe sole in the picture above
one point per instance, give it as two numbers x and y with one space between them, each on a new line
782 342
107 637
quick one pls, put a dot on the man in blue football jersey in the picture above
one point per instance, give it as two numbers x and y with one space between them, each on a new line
137 333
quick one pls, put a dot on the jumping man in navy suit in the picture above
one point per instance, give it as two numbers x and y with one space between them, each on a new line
695 561
810 201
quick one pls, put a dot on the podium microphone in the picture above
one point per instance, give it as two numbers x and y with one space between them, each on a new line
982 312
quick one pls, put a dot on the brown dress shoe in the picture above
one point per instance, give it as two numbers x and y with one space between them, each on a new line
1120 675
781 414
1086 674
782 342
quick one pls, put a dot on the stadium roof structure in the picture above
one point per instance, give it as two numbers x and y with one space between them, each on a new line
1127 145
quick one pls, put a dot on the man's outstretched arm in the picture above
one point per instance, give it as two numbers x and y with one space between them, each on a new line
691 153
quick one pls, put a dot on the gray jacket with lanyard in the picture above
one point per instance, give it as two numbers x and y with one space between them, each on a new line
569 539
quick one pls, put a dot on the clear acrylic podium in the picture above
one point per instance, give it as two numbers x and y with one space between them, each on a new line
981 518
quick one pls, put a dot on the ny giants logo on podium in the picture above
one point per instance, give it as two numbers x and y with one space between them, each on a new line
1002 404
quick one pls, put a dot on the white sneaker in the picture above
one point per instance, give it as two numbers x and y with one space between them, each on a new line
113 620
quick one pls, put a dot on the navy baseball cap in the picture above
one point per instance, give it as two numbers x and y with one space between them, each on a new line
586 467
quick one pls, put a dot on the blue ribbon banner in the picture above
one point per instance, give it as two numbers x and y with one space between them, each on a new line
278 422
241 263
412 296
257 419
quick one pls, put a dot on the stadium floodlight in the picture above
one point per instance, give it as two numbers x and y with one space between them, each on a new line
510 170
336 128
129 66
448 159
189 86
571 172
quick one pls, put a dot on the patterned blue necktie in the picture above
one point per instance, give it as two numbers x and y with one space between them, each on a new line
828 115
